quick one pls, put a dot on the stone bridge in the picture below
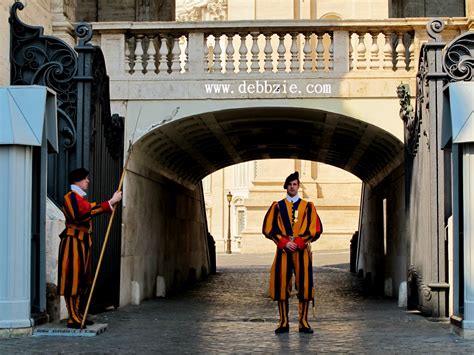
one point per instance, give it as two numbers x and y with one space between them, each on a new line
198 97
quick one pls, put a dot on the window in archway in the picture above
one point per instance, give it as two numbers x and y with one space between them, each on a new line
240 221
331 16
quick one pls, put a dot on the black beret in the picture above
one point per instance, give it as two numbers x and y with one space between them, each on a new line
77 175
291 177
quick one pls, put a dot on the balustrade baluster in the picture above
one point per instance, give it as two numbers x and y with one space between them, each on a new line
281 53
151 52
401 56
175 52
163 67
411 51
186 55
243 53
217 54
138 68
374 52
229 67
361 53
320 52
255 65
351 52
331 52
268 64
308 62
207 62
294 64
127 55
388 52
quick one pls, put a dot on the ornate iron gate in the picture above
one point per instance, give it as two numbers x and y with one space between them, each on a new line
88 135
103 139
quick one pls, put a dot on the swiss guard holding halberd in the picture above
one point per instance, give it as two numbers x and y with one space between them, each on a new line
293 224
74 264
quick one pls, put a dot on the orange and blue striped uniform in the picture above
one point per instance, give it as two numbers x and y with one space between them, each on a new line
301 222
74 264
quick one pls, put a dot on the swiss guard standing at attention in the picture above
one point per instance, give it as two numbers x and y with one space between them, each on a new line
292 224
74 263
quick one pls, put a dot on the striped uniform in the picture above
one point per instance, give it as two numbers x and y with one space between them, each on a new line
300 220
74 265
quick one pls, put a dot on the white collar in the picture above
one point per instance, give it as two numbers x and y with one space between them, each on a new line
293 199
78 190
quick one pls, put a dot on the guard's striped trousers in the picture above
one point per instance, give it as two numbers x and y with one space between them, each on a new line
283 310
73 304
303 308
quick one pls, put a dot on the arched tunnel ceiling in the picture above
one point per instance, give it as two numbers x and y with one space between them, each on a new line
189 149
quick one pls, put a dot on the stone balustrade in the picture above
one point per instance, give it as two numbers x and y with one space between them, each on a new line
233 48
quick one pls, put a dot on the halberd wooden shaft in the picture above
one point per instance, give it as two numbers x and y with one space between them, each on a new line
107 233
109 226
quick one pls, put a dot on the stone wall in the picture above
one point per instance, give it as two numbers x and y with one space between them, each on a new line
163 235
383 242
55 221
126 10
423 8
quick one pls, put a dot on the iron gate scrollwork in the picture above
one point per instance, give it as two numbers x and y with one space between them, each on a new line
89 135
36 59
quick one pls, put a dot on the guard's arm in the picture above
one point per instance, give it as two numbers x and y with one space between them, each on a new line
270 228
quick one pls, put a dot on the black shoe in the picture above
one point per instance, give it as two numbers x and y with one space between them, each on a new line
306 330
282 329
88 322
75 326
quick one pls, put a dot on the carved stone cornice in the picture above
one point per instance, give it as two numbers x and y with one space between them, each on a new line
217 10
214 10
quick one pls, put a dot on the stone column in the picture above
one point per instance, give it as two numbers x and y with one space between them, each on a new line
469 8
63 14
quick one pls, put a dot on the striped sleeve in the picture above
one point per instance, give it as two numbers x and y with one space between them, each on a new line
79 210
271 229
314 227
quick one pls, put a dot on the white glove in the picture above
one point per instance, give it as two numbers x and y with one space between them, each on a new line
115 198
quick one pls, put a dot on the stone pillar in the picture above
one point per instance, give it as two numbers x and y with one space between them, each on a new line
15 235
341 42
470 14
63 14
113 47
469 8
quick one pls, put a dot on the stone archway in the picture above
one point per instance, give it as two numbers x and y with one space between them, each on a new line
171 159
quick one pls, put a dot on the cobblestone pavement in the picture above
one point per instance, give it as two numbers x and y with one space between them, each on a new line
231 313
